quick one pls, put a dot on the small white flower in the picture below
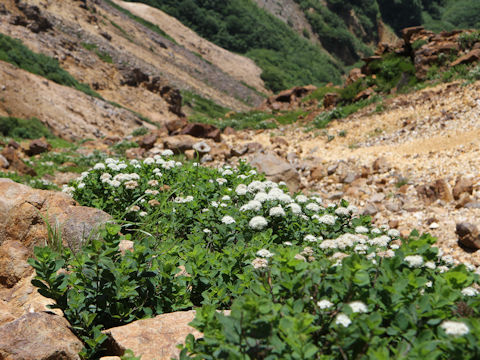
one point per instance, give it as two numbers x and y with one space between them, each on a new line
241 189
324 304
358 307
153 182
361 230
149 161
393 233
99 166
227 172
300 257
376 231
454 328
313 207
395 246
207 231
429 284
225 198
327 219
310 238
469 291
131 184
277 211
228 220
296 209
81 185
252 205
301 199
259 263
261 196
342 319
430 265
115 183
167 152
287 243
142 213
221 181
264 253
442 269
342 211
258 223
414 260
361 249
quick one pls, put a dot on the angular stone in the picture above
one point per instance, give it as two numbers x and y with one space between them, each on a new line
462 185
180 143
381 165
38 336
13 263
468 58
148 141
201 130
370 209
23 211
468 235
4 162
38 146
15 163
155 338
277 169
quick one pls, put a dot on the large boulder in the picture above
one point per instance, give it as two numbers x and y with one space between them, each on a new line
180 143
23 212
277 169
38 336
155 338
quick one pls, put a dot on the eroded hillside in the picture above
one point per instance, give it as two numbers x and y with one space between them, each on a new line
126 62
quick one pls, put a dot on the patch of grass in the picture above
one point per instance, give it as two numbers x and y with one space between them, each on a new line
202 107
14 52
89 46
467 40
124 33
23 128
140 131
141 21
104 56
417 44
122 146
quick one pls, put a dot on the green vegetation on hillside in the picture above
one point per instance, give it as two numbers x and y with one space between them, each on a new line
14 52
240 26
328 23
23 128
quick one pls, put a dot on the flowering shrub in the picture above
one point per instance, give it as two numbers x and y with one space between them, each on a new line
303 279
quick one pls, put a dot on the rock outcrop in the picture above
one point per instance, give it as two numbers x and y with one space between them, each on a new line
153 339
39 336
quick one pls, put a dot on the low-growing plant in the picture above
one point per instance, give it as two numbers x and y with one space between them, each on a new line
303 279
15 52
140 131
23 128
467 40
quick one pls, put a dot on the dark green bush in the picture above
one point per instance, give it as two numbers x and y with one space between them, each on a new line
23 128
14 52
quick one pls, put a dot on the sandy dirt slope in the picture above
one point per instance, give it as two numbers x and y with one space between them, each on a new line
67 112
239 67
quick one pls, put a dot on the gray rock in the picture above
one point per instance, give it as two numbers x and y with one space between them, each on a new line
377 197
277 169
370 209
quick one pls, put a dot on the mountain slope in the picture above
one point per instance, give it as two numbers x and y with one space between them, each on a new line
126 60
237 66
241 26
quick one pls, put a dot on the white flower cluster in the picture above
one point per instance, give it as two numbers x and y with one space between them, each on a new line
455 328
